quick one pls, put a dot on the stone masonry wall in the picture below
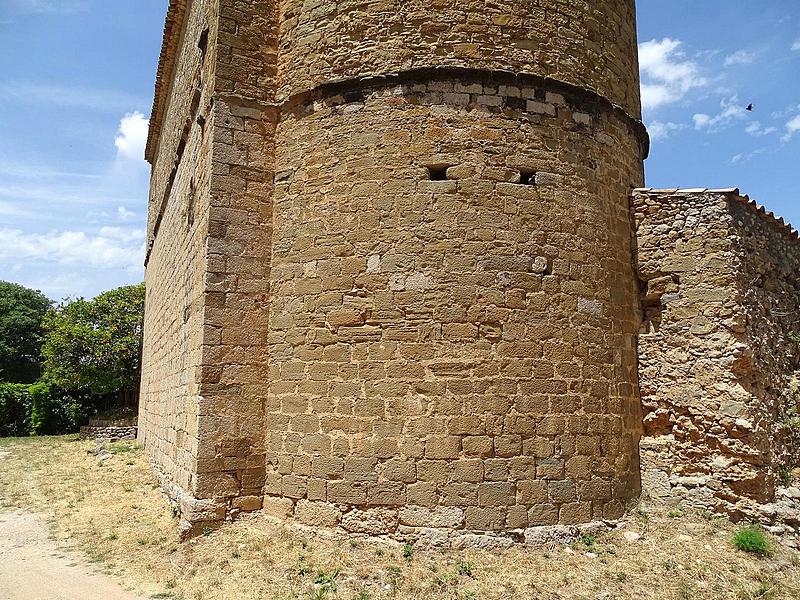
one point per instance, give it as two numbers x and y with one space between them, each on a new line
176 264
456 351
410 269
721 293
230 467
588 44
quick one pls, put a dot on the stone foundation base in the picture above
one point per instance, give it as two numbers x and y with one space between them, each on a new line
197 515
425 527
780 517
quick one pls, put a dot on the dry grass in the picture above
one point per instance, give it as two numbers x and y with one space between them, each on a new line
113 512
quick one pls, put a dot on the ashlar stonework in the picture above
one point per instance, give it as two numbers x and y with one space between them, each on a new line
390 274
374 286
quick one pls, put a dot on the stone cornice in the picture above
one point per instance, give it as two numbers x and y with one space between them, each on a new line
173 30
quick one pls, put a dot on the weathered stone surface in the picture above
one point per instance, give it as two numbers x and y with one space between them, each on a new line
395 297
465 541
192 509
373 521
317 513
542 535
716 364
440 516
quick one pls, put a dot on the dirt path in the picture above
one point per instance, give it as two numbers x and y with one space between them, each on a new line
32 567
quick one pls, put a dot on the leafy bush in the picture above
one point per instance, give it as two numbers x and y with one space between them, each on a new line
55 411
42 409
752 539
15 406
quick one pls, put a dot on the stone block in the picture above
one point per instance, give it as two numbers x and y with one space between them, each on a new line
319 514
275 506
372 521
496 494
386 493
439 516
347 492
485 519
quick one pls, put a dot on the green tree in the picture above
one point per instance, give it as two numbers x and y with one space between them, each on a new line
21 313
95 345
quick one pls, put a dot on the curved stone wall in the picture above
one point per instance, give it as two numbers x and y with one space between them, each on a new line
452 309
588 44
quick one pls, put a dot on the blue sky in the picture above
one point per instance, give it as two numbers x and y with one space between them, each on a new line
76 83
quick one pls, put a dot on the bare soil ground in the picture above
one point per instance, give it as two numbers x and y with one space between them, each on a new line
33 567
112 511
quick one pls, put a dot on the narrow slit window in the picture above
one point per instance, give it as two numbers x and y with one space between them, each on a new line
203 42
437 173
527 178
190 206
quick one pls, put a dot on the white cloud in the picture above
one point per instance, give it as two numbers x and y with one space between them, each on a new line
796 45
745 156
792 127
667 75
732 110
660 131
123 214
132 136
756 130
122 234
113 248
740 57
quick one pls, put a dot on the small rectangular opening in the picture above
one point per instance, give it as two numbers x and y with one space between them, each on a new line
190 206
437 173
202 43
527 178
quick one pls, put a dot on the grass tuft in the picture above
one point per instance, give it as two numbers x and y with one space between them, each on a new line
465 568
753 540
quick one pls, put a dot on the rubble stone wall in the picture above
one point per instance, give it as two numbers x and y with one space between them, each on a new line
720 292
108 432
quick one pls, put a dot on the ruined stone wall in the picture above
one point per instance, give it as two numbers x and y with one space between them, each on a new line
720 294
769 283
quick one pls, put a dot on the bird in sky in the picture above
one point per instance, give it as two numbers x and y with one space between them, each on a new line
750 107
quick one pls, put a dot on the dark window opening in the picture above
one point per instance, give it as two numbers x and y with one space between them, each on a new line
527 178
190 206
198 95
516 103
203 41
353 96
437 173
